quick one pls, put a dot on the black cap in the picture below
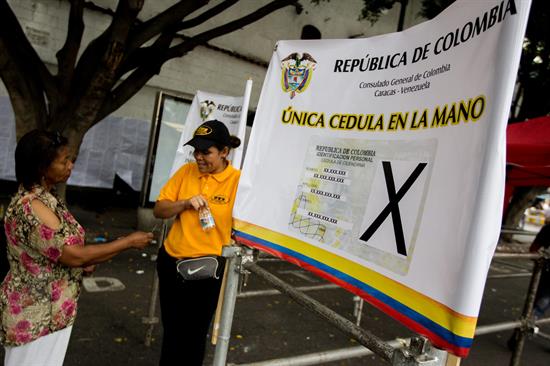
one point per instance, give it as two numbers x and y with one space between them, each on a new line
208 134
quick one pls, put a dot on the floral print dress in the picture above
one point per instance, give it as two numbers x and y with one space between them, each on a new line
39 294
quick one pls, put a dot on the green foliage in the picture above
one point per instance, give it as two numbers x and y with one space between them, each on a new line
431 8
534 72
373 9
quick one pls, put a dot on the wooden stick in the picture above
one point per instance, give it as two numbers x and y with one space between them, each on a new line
452 360
216 326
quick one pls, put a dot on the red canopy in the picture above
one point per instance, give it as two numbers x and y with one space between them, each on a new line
527 155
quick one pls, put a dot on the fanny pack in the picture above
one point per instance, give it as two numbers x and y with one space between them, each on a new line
200 268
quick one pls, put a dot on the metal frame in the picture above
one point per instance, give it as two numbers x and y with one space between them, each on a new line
239 260
528 324
410 352
325 356
418 351
151 319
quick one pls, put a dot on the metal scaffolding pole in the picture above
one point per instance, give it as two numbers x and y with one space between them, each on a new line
527 314
517 255
325 356
543 336
420 350
518 232
509 275
151 319
233 263
364 337
499 327
277 292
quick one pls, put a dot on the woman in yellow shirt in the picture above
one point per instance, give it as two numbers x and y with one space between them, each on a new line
210 184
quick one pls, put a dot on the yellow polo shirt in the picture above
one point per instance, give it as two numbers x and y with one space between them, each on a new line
186 238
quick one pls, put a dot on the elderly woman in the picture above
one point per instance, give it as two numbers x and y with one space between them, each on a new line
47 255
201 195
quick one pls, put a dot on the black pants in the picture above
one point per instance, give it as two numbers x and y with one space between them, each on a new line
186 310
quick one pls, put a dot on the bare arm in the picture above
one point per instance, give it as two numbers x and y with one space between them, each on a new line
85 255
45 215
165 209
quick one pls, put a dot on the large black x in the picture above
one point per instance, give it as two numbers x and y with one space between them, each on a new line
393 206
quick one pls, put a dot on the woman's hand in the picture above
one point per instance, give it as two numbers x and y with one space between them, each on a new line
165 209
88 270
85 255
139 239
197 202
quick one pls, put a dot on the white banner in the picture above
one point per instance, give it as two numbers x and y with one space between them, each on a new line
205 107
379 163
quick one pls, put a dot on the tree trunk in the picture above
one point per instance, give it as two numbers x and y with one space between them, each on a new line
521 200
88 88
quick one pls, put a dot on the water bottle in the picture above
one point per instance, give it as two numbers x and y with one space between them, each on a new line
206 219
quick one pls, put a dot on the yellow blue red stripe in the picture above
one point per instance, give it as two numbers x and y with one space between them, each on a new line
444 327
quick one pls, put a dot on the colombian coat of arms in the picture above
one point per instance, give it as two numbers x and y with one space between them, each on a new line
297 70
206 109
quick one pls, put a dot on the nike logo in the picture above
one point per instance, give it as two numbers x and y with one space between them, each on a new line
193 271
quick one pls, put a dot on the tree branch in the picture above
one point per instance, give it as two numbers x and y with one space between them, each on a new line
66 57
30 68
139 77
163 21
146 55
26 100
209 14
97 68
186 46
128 88
95 55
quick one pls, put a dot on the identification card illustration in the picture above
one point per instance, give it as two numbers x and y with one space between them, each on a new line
363 197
